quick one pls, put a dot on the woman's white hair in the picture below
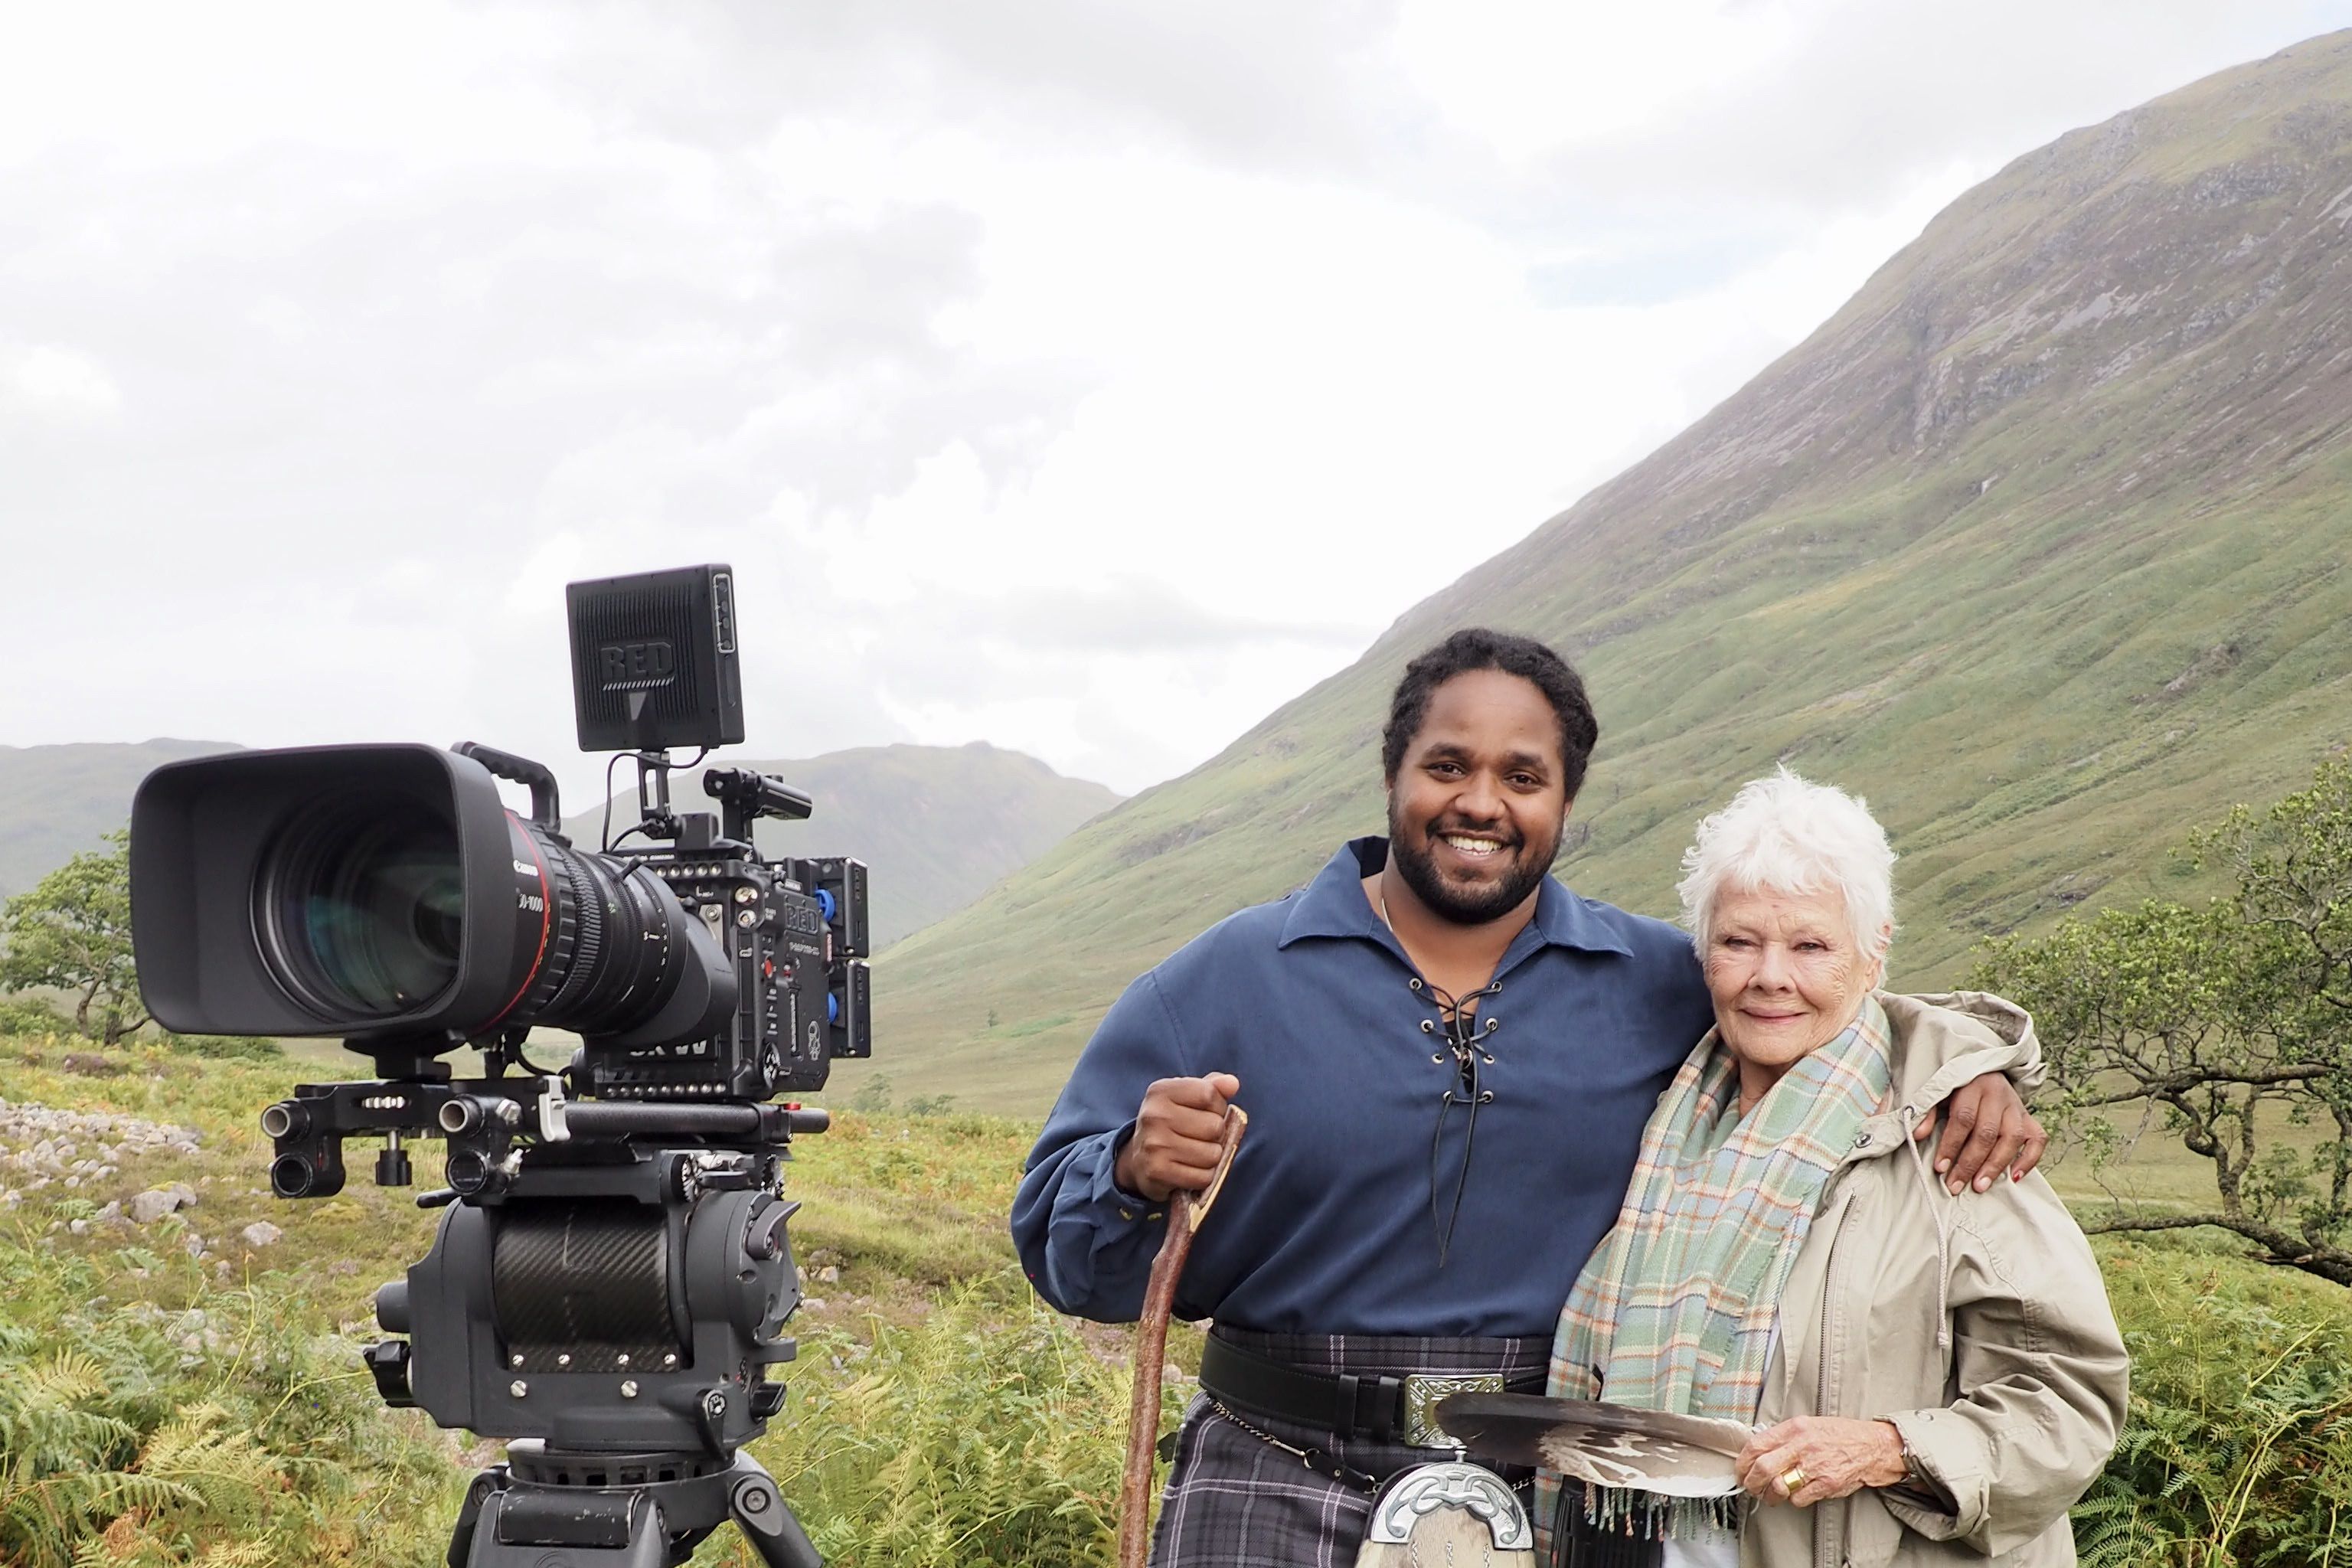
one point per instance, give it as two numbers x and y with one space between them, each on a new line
1786 835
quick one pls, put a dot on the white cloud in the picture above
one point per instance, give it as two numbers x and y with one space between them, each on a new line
1085 378
47 381
1526 80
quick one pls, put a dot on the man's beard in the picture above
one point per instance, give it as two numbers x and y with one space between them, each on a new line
1467 906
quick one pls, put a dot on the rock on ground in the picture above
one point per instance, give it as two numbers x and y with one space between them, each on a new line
156 1202
40 1144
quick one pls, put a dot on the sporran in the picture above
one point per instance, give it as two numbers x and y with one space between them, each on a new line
1450 1512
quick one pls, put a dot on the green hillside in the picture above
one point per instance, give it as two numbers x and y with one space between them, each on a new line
58 801
937 824
2040 543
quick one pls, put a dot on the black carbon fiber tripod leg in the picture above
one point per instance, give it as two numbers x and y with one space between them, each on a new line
469 1513
759 1510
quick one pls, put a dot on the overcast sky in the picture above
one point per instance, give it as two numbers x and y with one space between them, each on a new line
1085 378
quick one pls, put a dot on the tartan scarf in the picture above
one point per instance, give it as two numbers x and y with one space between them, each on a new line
1677 1308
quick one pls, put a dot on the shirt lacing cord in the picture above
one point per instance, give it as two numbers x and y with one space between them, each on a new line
1467 1040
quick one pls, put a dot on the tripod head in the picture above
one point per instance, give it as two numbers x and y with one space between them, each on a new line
607 1290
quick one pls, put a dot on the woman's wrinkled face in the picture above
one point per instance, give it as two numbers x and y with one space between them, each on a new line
1786 972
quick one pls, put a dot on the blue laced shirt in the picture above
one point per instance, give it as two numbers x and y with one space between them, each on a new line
1325 1223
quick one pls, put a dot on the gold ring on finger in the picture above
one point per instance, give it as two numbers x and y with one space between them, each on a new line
1791 1478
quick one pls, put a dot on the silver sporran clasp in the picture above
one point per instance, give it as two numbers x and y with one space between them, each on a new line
1455 1502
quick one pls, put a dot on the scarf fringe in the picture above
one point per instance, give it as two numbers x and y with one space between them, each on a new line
1646 1516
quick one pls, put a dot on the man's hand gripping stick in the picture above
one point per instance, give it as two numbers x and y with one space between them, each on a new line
1186 1210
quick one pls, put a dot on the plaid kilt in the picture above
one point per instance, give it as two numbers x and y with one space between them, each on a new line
1236 1502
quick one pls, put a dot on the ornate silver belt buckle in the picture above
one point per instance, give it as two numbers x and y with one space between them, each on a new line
1421 1393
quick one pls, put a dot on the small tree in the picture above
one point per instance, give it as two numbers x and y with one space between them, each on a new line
72 932
2224 1022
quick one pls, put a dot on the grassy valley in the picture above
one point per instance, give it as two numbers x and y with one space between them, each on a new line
2040 543
177 1392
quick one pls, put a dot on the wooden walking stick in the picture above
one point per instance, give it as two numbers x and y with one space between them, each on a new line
1185 1211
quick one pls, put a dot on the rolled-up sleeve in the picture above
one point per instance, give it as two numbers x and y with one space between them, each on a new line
2041 1375
1086 1243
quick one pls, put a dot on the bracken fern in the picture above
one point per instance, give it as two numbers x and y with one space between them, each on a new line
138 1438
983 1434
2238 1449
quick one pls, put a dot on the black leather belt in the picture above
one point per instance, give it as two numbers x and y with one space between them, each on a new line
1381 1409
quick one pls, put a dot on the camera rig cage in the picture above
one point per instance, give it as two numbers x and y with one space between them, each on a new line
611 1277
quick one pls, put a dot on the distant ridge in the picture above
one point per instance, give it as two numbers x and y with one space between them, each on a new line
58 801
2044 542
937 824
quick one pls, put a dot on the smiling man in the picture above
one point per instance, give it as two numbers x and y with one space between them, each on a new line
1447 1058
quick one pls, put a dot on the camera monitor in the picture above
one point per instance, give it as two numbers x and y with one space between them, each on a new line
653 661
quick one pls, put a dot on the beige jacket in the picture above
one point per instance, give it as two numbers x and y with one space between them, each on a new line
1988 1343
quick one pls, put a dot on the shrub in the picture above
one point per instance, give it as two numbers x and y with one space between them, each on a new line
2224 1022
225 1047
31 1015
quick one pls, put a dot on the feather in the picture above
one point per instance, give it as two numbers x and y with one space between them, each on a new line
1606 1445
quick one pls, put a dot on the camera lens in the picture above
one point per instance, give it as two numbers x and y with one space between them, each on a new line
360 907
388 894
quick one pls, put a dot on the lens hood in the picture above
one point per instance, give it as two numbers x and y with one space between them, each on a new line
221 947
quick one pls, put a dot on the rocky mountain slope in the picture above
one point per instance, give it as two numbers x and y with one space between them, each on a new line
2040 543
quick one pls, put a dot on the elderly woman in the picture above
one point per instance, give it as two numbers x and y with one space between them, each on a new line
1933 1378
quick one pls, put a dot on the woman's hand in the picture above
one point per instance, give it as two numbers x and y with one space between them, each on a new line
1824 1456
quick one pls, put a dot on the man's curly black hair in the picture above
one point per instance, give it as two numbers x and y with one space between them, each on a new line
1478 647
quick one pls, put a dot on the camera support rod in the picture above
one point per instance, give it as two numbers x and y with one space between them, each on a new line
483 1118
